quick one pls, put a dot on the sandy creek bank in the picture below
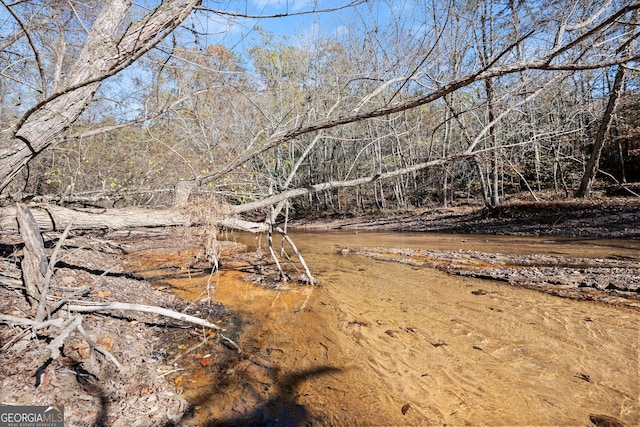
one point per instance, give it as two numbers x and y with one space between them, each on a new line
377 343
389 343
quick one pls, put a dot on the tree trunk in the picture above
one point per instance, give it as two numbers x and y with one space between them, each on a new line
56 218
598 144
623 174
34 264
104 54
493 141
483 183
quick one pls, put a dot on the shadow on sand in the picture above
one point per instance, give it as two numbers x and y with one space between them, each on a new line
280 409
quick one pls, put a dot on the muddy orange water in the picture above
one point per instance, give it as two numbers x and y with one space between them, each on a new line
389 344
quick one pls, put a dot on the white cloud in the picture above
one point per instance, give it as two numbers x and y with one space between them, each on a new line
340 31
311 34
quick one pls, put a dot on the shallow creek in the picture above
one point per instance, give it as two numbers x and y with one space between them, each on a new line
381 343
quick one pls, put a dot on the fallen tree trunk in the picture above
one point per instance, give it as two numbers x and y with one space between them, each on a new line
34 263
56 218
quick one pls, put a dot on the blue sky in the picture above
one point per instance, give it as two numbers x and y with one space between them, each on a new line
236 33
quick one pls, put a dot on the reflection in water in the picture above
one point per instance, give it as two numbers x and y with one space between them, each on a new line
389 344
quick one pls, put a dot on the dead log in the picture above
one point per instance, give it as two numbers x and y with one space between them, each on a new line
307 272
56 218
34 262
91 307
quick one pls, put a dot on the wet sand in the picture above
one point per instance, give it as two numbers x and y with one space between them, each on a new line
376 343
383 343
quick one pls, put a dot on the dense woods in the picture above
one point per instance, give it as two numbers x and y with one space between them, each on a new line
404 104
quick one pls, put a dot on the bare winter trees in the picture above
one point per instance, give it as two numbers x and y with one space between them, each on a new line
498 96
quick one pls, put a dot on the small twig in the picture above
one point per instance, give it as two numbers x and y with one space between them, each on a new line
475 347
35 325
189 350
69 326
46 283
77 292
21 334
171 372
629 190
10 282
231 343
215 271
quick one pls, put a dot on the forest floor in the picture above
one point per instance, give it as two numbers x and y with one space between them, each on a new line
93 392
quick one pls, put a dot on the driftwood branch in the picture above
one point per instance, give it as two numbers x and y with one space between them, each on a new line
288 239
55 218
283 275
116 306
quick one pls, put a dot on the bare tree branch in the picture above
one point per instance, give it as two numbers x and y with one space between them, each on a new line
280 15
11 39
86 307
36 53
102 56
399 106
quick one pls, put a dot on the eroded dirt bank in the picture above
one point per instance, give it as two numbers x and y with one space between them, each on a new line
606 217
91 389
